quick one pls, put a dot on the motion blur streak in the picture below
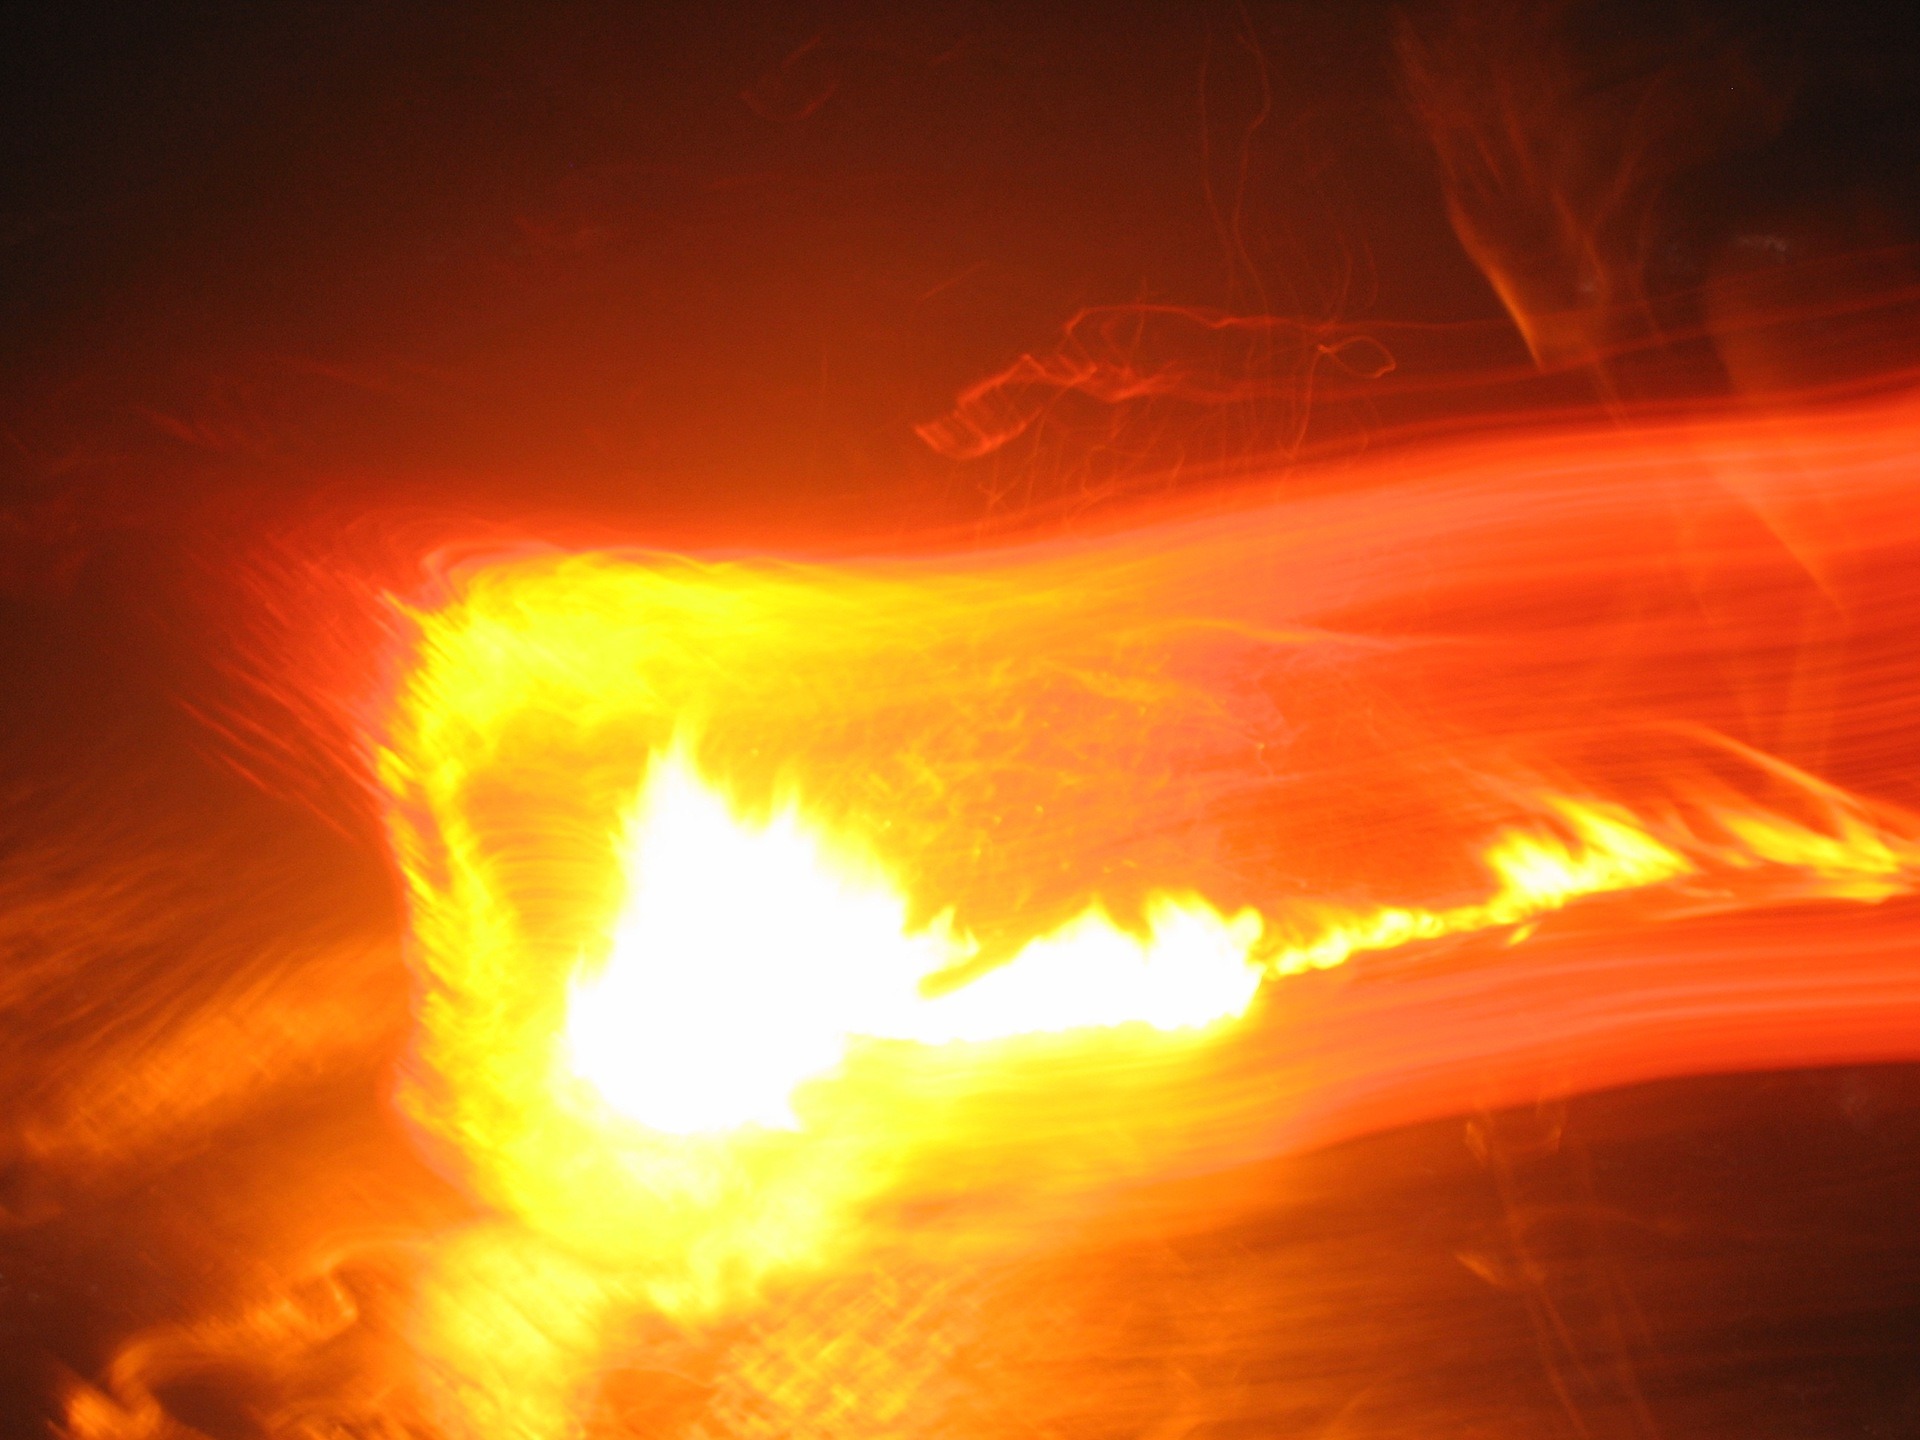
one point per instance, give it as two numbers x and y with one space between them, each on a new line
780 921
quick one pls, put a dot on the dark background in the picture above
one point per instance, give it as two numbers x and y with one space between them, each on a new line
645 256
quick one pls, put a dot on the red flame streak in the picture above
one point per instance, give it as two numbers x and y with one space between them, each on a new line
1695 621
1321 712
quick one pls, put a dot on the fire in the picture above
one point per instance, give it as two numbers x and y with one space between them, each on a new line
744 892
776 925
748 957
762 909
1318 722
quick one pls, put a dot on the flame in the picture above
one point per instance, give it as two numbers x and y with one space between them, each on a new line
738 889
760 910
748 958
778 926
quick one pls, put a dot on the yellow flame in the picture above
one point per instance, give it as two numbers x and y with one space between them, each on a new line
749 956
1858 863
1538 872
693 1033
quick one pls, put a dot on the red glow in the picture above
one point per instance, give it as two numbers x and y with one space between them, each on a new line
954 721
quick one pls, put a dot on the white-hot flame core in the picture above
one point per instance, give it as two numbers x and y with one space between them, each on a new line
748 956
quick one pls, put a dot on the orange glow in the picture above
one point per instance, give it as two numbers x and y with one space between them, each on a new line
955 723
776 926
747 957
753 900
746 892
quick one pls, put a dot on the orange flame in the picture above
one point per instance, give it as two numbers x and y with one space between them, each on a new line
731 883
780 924
748 957
756 904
